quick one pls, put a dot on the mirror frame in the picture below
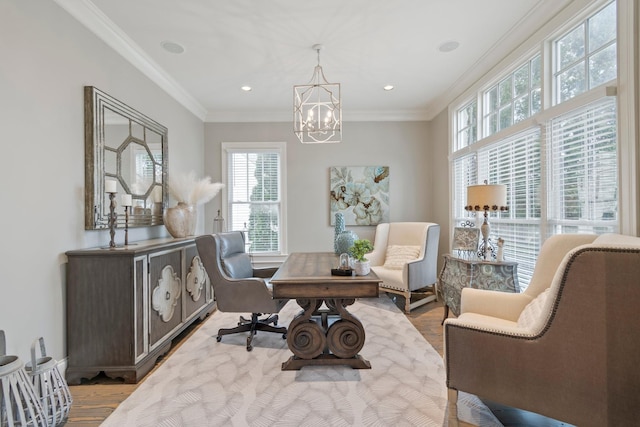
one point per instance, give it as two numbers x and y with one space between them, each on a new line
96 209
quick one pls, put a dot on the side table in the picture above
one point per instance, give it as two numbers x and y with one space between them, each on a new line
459 273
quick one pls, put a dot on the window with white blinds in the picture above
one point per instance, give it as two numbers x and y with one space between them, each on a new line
583 170
515 162
559 163
465 170
254 197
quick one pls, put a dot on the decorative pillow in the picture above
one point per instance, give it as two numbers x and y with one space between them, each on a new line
530 315
398 256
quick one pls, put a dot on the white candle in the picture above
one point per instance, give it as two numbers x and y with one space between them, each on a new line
110 186
126 200
157 194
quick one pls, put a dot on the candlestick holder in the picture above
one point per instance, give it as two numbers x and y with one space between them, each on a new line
113 217
126 225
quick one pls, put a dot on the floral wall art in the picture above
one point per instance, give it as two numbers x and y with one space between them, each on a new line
360 193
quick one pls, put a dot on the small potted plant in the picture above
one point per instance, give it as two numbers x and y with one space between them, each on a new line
360 248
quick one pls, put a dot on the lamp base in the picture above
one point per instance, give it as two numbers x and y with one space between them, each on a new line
486 251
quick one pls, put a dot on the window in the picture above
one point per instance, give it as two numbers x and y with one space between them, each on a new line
560 163
515 98
515 162
255 176
583 176
586 56
466 125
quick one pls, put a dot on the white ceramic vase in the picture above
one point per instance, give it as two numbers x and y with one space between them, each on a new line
180 220
362 268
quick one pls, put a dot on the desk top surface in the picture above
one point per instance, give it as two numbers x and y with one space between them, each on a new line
308 275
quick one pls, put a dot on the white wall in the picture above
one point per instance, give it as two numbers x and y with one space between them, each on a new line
47 58
439 142
403 146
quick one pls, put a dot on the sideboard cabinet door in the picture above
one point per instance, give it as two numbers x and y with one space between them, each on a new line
165 290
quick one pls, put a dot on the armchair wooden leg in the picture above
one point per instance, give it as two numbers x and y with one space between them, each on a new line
452 405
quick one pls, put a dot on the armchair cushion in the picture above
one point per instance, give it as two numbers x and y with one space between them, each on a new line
503 305
398 255
533 314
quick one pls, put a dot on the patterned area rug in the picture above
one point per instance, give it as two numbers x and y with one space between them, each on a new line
206 383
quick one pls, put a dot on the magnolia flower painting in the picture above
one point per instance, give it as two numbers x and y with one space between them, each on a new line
361 194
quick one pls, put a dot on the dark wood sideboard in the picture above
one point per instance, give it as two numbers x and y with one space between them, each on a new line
125 305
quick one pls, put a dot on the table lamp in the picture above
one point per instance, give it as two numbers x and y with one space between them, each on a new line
486 197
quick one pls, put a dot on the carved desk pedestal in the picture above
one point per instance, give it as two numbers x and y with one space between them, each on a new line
330 336
313 341
125 305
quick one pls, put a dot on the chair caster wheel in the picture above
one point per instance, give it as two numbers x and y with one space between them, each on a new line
249 346
284 336
218 339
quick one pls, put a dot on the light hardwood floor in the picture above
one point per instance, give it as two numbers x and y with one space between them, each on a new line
94 400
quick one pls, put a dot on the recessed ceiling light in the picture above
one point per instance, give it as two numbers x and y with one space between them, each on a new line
388 87
448 46
172 47
246 88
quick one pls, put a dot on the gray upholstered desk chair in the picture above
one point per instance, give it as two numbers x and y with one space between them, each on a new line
237 286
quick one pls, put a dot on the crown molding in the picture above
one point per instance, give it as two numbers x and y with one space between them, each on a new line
98 23
287 116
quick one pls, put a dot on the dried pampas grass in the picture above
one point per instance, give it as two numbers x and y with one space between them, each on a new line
187 189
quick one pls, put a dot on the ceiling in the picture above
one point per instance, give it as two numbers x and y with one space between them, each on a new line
267 45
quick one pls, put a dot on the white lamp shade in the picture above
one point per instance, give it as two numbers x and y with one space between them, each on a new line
487 197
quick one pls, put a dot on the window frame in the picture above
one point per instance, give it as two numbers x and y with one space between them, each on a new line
487 112
228 148
584 60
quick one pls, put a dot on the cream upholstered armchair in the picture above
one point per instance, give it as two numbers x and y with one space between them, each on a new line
405 258
567 347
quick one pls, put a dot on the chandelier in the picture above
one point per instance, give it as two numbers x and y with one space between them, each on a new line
317 113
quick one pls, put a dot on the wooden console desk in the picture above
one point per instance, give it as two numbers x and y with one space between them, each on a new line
306 277
459 273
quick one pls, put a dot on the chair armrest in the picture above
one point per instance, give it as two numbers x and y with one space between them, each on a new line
419 273
503 305
245 295
376 257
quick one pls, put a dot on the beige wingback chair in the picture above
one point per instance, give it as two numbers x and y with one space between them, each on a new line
405 258
568 347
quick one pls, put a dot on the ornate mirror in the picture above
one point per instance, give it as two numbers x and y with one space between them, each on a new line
125 146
